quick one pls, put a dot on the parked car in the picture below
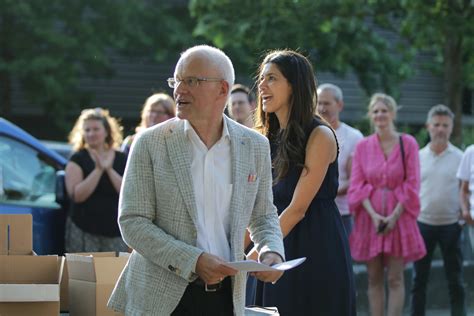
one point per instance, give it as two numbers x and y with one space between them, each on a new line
62 148
32 182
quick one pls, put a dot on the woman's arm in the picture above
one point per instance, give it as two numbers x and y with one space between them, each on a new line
392 219
360 189
407 193
114 176
321 151
376 217
78 188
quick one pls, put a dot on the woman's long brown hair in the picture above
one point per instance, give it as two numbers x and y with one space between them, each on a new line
298 71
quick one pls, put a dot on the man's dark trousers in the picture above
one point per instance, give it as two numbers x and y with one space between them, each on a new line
448 237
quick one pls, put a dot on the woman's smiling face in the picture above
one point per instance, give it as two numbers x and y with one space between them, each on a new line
381 115
274 90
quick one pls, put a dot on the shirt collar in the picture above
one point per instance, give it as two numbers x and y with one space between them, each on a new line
448 149
189 130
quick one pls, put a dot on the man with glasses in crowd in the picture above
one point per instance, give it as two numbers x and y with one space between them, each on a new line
192 187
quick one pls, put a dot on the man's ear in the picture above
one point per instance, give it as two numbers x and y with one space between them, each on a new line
224 88
341 105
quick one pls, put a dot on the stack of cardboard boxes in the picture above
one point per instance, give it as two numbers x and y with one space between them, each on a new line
29 284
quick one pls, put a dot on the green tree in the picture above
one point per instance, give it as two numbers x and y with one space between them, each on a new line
47 46
338 36
345 35
446 29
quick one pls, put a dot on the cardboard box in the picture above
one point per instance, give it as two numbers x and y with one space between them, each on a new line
64 289
92 278
29 284
16 234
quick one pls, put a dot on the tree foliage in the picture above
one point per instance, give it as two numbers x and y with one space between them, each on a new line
47 46
345 35
338 36
444 28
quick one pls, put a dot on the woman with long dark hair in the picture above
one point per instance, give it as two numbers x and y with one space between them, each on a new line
304 156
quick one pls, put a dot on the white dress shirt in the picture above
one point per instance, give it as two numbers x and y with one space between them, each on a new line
212 182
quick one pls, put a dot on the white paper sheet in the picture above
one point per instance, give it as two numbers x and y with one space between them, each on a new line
253 266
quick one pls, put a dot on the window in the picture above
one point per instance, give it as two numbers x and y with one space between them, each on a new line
25 177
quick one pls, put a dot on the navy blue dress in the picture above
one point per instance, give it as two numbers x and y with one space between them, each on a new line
324 283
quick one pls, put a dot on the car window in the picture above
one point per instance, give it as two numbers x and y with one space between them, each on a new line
26 178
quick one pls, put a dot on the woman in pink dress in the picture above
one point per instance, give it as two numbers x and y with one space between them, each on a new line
383 197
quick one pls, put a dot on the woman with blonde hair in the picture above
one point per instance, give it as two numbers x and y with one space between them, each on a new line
383 196
158 108
93 180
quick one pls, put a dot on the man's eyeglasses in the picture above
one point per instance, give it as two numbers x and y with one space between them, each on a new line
190 81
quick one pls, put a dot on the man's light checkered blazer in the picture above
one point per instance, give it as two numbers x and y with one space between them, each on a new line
158 216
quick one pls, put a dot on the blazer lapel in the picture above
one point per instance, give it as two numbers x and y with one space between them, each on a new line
240 151
178 152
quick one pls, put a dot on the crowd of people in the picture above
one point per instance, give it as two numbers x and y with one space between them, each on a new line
281 178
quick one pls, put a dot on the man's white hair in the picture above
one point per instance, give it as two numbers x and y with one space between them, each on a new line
215 57
335 90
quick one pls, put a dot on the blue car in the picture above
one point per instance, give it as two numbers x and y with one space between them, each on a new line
32 182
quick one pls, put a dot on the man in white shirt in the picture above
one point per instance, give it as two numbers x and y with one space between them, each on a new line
330 105
466 175
192 187
440 212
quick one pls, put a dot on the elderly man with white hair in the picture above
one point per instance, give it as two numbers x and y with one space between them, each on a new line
330 105
192 187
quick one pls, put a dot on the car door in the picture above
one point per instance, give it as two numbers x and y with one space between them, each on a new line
28 180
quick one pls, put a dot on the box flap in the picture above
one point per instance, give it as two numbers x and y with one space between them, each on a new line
82 295
108 270
64 287
16 234
29 269
29 292
80 267
61 268
100 267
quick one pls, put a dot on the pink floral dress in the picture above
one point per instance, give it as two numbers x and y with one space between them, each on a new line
381 179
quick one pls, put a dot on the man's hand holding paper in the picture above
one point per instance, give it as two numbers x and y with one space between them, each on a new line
269 258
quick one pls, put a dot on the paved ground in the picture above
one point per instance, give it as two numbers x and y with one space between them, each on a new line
431 312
